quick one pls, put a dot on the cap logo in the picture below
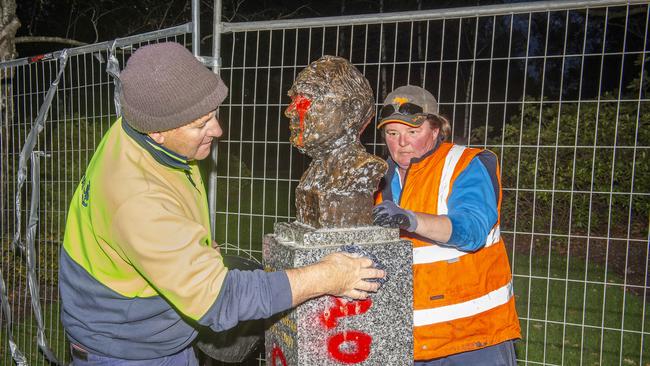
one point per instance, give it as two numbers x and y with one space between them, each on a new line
400 100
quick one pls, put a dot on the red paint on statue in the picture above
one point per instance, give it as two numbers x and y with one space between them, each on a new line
357 346
278 354
301 104
340 309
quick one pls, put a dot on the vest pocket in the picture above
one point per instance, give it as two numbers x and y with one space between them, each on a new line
445 282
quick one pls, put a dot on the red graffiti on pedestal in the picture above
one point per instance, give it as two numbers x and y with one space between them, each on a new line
341 309
348 346
278 354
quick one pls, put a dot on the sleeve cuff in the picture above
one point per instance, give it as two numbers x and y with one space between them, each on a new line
463 238
281 299
455 238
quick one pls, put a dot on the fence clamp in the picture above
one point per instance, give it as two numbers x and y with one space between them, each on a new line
210 61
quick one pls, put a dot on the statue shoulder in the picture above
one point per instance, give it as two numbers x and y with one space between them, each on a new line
370 161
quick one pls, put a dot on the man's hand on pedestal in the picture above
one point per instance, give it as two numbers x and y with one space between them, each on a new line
349 273
337 274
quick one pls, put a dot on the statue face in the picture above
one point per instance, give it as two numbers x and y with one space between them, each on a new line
296 112
315 121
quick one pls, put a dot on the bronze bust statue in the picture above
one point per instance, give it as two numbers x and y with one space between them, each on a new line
331 104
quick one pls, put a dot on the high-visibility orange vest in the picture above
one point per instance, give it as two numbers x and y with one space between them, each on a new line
462 301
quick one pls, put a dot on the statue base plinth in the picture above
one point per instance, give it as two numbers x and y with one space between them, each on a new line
334 331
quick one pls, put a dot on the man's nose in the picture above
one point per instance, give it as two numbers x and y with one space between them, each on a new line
215 128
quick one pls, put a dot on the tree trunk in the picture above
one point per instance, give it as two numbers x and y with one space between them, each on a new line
9 24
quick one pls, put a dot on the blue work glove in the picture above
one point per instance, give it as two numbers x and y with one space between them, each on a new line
388 214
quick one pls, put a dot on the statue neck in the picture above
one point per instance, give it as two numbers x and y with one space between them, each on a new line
331 148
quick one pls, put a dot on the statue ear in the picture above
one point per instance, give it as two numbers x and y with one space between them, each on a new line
361 112
356 106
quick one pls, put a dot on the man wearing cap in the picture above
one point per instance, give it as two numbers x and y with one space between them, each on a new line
138 274
446 199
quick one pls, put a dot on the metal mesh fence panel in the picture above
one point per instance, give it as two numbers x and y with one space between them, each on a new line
557 89
81 111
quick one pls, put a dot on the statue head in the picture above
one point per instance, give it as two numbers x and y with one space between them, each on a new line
331 104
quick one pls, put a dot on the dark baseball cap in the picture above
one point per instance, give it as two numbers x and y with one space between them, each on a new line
408 105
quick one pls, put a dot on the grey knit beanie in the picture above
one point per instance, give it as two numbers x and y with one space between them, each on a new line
164 86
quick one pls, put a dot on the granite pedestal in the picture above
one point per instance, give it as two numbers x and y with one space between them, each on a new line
334 331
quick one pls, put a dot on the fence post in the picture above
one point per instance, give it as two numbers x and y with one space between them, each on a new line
196 28
216 66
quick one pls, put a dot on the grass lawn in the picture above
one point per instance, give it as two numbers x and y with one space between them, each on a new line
570 313
25 332
570 316
560 303
248 208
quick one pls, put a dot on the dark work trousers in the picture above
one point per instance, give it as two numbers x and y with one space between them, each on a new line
502 354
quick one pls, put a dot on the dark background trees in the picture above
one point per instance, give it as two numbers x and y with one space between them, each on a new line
49 25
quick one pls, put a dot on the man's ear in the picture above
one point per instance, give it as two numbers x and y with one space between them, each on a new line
157 136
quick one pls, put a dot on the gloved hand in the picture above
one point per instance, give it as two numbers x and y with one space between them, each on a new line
388 214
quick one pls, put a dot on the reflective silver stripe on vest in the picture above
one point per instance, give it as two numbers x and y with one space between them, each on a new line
445 179
464 309
435 253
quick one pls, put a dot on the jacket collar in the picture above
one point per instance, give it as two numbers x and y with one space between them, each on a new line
162 154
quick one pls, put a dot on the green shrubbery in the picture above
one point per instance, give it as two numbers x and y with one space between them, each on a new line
580 159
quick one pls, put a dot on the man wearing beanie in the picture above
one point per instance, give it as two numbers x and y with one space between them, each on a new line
138 273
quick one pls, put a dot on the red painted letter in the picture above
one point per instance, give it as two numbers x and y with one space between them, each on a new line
277 353
357 346
339 310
